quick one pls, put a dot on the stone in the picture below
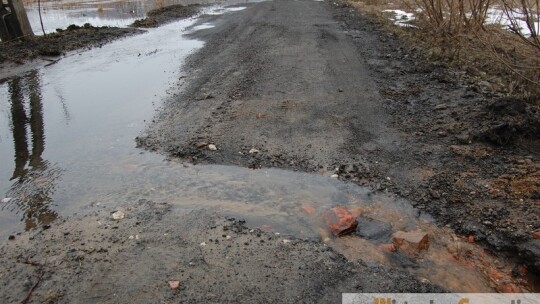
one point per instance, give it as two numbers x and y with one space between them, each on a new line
118 215
441 106
340 221
212 147
411 243
201 145
536 234
324 235
173 284
308 209
372 229
387 247
253 150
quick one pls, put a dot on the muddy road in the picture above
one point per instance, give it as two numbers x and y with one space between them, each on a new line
216 260
281 111
315 87
292 87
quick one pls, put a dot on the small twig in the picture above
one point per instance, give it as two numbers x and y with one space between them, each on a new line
51 62
28 262
27 299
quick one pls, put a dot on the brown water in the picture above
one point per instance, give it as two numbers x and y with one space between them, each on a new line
67 143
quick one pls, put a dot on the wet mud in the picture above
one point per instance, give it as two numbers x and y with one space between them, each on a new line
215 259
167 14
54 45
359 121
333 92
471 156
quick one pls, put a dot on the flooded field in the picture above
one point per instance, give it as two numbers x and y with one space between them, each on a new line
60 14
67 139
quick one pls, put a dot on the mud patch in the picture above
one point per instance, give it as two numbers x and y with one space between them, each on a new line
472 139
522 181
365 108
215 259
512 120
167 14
54 45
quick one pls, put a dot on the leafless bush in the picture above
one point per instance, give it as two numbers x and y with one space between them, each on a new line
519 49
453 17
459 31
523 18
517 58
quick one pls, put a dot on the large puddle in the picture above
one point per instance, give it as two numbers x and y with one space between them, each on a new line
120 13
67 143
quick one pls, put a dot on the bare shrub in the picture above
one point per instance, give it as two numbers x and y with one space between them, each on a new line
517 48
523 18
457 33
453 17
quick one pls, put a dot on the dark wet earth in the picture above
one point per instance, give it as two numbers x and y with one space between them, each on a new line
69 129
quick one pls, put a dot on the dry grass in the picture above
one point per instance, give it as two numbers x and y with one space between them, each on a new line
455 32
451 17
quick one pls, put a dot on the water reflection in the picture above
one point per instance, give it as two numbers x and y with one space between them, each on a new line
60 14
19 120
34 178
91 106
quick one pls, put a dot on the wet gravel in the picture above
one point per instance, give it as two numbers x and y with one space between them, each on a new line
95 258
329 92
471 155
333 91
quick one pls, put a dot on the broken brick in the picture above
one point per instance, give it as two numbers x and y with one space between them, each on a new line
411 243
340 221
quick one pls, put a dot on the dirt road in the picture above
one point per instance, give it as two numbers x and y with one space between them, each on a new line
282 78
216 260
306 86
312 86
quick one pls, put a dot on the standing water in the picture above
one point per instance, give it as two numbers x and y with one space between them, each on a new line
120 13
67 139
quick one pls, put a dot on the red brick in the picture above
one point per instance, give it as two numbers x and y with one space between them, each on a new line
340 221
412 242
